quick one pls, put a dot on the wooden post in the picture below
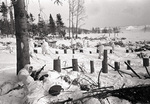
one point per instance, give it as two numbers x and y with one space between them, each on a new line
21 31
81 50
145 61
104 63
92 66
56 52
35 51
65 51
57 65
75 64
73 51
128 61
132 50
117 65
97 51
127 51
111 51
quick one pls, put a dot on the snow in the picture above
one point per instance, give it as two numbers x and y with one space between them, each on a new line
37 91
130 28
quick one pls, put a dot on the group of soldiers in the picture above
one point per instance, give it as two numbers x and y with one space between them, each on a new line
45 47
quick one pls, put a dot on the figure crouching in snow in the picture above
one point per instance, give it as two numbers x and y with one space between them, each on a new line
45 47
113 46
24 74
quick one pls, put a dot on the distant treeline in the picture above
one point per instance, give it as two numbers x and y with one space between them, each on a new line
106 30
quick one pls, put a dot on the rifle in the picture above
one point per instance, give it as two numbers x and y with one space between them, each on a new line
35 74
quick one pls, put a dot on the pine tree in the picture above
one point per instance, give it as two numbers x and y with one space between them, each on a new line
5 23
30 20
4 10
60 24
93 30
42 27
52 27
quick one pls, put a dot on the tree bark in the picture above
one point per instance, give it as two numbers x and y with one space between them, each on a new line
21 34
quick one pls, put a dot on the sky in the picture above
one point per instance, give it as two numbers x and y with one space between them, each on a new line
100 13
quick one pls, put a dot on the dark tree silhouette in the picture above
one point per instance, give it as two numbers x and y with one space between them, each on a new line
4 10
60 24
52 27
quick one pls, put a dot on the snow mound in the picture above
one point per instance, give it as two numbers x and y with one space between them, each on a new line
129 28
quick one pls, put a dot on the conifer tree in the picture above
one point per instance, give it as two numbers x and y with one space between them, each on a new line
59 23
4 10
52 27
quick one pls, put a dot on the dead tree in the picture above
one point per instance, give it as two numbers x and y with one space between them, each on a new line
80 14
72 6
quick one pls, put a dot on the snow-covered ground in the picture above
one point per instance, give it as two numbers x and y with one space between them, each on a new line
39 95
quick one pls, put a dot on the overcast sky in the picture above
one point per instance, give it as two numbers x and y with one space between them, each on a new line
100 13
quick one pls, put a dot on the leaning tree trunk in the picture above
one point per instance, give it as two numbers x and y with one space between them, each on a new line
21 34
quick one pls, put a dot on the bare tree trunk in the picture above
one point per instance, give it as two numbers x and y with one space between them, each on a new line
11 20
23 57
80 14
72 27
69 18
72 12
77 19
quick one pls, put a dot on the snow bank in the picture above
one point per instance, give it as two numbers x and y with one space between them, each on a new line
37 91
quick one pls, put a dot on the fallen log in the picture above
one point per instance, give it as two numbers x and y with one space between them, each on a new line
135 94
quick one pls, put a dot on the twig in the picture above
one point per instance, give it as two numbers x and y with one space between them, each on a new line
4 85
100 89
107 100
91 79
115 69
63 102
123 85
82 70
88 81
67 67
126 73
132 70
99 78
147 71
16 88
42 97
